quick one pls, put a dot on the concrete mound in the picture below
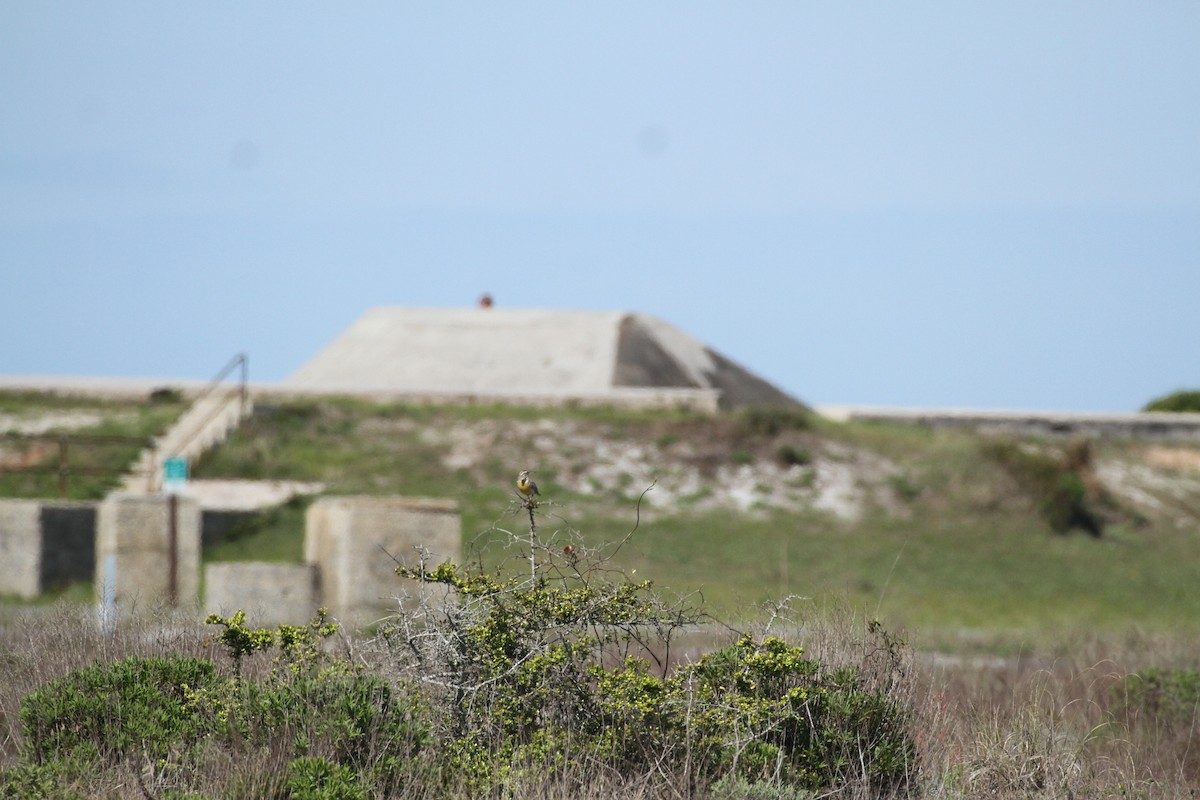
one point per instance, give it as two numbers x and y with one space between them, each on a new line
491 352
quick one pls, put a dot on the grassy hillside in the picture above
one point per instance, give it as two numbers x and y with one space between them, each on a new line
939 531
103 437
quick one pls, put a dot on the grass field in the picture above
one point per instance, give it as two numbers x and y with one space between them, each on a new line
1025 632
945 540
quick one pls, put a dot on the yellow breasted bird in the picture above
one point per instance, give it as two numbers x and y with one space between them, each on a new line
525 484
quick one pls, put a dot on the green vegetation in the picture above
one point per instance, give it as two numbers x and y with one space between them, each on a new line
973 546
1176 401
1059 486
177 723
521 669
957 532
97 452
274 534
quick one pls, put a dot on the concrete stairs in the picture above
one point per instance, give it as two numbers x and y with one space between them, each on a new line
207 423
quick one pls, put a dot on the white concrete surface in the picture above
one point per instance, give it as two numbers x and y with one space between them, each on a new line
505 354
469 350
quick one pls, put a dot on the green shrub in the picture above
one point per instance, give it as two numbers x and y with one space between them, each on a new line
762 708
321 779
793 455
771 421
1054 484
524 683
1167 695
176 712
735 787
134 706
319 703
1182 401
742 456
355 717
56 780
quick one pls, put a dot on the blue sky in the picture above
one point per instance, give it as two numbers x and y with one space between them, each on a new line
931 204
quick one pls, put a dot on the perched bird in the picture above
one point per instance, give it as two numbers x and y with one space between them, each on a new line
525 484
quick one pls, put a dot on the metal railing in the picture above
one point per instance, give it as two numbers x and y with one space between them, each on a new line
179 443
241 361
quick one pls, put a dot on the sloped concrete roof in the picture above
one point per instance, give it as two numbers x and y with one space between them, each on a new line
525 352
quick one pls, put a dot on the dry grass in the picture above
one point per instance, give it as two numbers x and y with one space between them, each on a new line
1044 724
1047 726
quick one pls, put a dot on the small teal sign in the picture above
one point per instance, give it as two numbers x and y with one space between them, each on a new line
175 475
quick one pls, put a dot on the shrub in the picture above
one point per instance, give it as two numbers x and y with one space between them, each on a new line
1182 401
52 781
350 733
1056 485
771 421
523 673
321 779
134 706
793 455
762 708
1170 696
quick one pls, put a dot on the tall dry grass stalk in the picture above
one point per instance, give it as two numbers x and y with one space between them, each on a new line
1048 726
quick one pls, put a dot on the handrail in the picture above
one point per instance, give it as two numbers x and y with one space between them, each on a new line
242 360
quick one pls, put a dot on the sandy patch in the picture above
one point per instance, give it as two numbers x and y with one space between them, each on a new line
1174 458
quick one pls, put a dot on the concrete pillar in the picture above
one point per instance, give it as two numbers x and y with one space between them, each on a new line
270 593
20 548
352 540
134 563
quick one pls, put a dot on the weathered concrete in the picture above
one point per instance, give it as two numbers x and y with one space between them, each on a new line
20 548
1144 426
527 353
44 545
133 552
270 594
356 541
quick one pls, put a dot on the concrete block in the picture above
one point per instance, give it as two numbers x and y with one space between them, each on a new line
270 594
356 541
45 544
133 551
20 548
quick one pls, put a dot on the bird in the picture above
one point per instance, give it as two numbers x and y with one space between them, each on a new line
525 484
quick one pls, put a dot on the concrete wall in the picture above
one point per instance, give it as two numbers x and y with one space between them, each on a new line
1148 426
270 594
133 559
123 544
20 547
353 540
44 545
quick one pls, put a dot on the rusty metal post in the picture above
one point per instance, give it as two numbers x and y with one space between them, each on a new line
173 549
